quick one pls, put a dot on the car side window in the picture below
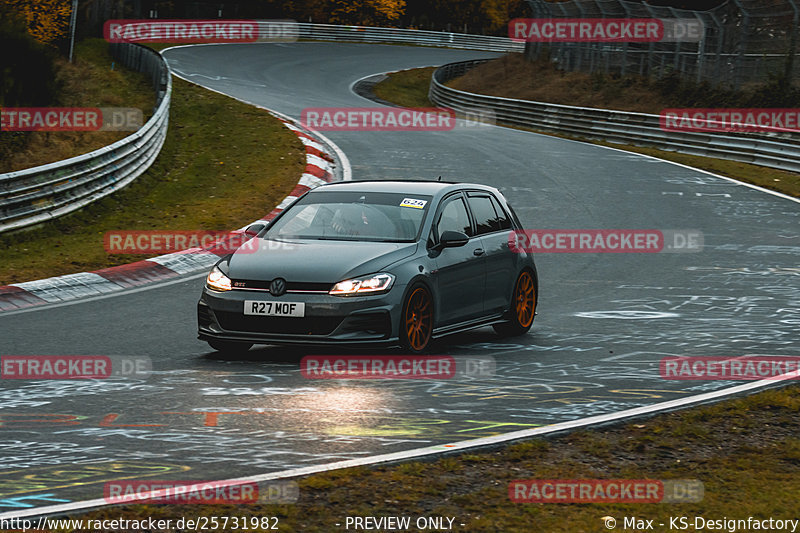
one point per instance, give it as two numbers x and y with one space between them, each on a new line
489 215
484 213
502 218
452 217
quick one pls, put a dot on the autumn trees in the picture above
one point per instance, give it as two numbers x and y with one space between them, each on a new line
47 20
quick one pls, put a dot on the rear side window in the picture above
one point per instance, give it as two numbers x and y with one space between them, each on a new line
489 216
502 218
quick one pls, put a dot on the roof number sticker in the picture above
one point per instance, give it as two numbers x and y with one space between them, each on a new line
413 202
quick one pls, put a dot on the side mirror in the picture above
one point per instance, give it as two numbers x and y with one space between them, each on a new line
254 229
453 239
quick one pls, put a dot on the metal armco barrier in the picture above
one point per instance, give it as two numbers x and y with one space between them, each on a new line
42 193
776 150
330 32
38 194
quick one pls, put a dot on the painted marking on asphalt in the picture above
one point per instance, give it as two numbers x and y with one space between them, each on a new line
319 162
311 181
433 450
285 202
184 263
125 292
68 287
306 141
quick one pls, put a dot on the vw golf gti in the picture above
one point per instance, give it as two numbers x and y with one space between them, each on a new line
373 262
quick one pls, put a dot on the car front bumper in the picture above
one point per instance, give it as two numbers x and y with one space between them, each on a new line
328 319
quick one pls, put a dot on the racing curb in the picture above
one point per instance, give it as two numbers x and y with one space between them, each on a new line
322 163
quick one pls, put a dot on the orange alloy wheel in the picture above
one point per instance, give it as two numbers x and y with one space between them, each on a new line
525 298
418 319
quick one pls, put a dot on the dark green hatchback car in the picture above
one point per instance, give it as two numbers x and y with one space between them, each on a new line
373 262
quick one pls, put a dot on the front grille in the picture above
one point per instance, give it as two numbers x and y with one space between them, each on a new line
261 285
267 324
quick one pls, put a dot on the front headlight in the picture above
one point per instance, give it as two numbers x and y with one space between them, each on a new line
217 280
373 284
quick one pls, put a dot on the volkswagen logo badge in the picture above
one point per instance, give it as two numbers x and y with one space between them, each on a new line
277 287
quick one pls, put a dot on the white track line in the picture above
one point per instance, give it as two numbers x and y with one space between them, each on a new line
430 450
587 142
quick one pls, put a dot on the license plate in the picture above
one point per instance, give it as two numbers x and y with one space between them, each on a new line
261 308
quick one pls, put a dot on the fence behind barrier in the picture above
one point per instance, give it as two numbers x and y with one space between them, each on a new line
776 150
743 41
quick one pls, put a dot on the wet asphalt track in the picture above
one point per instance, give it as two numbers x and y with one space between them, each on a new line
604 320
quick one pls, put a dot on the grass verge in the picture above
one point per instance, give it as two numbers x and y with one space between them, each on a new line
224 164
409 88
88 82
745 451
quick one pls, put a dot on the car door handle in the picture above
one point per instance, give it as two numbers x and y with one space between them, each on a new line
478 251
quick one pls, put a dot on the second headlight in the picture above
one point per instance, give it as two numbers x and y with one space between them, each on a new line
373 284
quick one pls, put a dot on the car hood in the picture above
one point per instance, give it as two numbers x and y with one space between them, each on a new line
311 261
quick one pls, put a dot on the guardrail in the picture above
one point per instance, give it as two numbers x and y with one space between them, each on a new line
776 150
42 193
38 194
331 32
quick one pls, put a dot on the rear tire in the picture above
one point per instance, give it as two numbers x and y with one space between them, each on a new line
230 346
416 320
523 308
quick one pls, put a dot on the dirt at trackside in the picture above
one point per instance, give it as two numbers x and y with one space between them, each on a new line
513 77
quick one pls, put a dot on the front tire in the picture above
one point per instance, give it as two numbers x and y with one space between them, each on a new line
416 321
229 346
523 308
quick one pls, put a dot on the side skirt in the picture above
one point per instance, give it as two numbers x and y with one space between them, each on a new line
468 325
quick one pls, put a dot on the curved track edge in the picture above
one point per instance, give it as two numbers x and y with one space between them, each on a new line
431 450
325 162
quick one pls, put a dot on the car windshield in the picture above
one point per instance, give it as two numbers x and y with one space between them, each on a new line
353 216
